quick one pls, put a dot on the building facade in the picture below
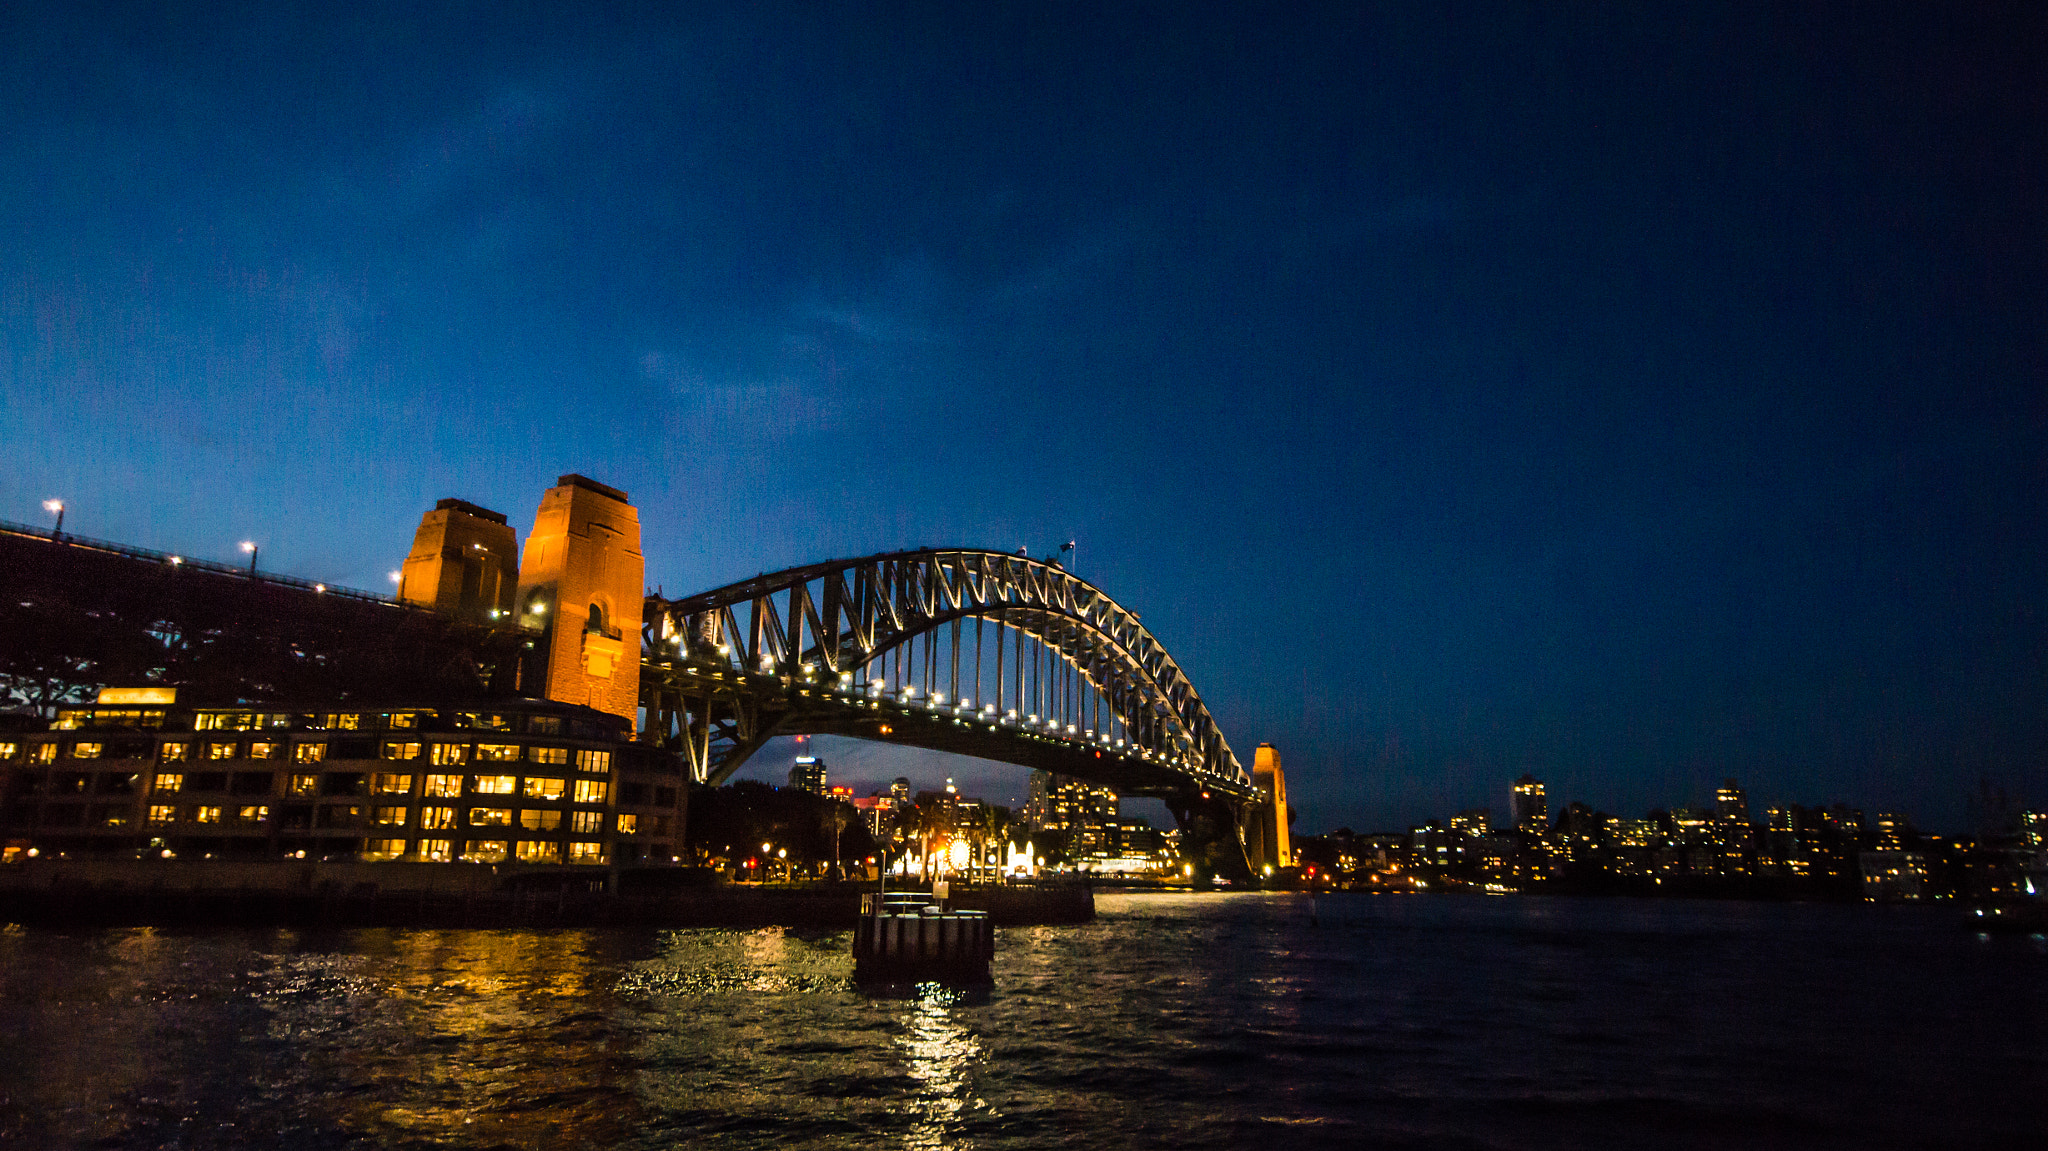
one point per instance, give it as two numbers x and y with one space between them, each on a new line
511 782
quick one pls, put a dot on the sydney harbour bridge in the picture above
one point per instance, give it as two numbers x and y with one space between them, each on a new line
981 653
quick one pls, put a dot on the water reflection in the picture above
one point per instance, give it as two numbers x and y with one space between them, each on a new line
943 1055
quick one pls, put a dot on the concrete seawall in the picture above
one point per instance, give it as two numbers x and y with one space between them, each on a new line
112 893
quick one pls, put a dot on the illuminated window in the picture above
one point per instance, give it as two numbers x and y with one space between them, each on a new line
497 752
341 722
535 851
383 849
442 786
170 782
544 724
587 822
541 787
262 751
586 853
303 785
391 783
401 751
437 850
591 790
9 750
437 818
482 720
550 755
405 719
593 761
220 751
173 752
629 825
163 813
253 813
87 750
490 817
42 753
206 721
450 753
534 819
206 815
484 851
390 816
310 752
117 818
495 784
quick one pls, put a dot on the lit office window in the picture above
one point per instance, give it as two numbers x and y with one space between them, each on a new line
395 750
542 787
310 752
598 761
550 755
490 817
442 786
87 750
436 850
629 825
390 816
495 784
437 818
484 851
536 851
262 751
253 813
163 813
220 751
536 819
391 783
173 752
378 849
591 790
497 752
450 753
587 822
303 785
206 815
586 853
171 782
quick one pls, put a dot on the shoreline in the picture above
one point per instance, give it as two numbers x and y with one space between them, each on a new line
119 893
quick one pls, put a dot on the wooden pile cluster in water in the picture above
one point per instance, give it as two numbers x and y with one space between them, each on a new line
911 936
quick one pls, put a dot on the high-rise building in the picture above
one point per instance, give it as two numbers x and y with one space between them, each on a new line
1527 805
808 774
1062 803
1730 804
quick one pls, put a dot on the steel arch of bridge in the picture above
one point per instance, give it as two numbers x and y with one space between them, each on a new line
797 650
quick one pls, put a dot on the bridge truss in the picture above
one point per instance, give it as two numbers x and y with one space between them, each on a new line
978 652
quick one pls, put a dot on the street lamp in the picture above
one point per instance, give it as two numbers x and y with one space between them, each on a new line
250 547
57 507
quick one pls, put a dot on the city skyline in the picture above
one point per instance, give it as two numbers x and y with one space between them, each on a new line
1637 400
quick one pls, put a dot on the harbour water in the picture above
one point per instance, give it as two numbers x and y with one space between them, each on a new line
1171 1021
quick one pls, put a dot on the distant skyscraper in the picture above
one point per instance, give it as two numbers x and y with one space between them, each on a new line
808 774
900 791
1527 805
1730 804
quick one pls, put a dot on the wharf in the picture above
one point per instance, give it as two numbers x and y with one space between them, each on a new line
120 893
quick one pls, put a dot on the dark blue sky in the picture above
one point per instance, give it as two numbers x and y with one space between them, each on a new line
1631 398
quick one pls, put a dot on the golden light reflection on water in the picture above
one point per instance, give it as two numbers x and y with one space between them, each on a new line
943 1055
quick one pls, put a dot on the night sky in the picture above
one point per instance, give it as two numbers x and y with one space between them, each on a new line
1630 397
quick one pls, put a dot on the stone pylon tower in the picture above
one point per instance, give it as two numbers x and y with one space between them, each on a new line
1273 844
464 562
582 587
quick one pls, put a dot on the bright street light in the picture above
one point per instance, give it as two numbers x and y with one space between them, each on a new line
57 508
250 547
